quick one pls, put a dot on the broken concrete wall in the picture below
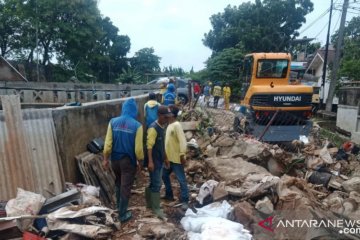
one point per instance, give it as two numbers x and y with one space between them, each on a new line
77 126
59 92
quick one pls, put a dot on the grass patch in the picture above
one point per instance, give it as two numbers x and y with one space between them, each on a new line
335 138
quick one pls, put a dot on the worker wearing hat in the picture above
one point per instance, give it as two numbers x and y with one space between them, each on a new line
156 158
175 147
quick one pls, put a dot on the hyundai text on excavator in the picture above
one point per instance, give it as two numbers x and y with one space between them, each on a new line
272 109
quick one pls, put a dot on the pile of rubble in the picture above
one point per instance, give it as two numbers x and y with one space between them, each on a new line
311 179
76 213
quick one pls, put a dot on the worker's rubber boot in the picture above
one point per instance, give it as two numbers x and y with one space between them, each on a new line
148 197
155 205
124 214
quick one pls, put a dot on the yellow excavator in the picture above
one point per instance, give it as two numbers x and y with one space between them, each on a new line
272 109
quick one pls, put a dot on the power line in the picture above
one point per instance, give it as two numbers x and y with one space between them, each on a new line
321 30
337 21
317 19
311 24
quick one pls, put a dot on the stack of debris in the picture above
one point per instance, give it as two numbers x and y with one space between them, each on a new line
74 213
262 180
94 174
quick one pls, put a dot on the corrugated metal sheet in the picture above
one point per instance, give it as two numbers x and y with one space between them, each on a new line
28 151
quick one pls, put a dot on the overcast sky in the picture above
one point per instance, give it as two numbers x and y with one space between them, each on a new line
175 28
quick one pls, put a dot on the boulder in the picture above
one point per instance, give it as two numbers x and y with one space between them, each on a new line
355 195
224 141
211 151
244 213
219 192
249 149
264 206
274 167
230 169
156 230
353 184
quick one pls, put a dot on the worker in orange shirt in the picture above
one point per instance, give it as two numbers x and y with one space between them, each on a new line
226 93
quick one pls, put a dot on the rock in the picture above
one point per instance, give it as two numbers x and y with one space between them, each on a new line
194 166
325 155
349 206
352 184
219 192
156 230
244 213
355 195
211 151
249 149
336 205
314 162
204 144
190 126
224 141
230 169
189 135
293 207
274 167
334 183
264 206
254 185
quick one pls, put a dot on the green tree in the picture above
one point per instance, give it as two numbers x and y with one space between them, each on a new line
225 67
74 32
146 62
308 48
266 25
350 62
10 27
129 76
174 71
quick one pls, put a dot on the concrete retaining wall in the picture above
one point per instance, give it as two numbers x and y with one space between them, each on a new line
77 126
347 118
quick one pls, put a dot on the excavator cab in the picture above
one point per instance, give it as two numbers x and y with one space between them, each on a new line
272 109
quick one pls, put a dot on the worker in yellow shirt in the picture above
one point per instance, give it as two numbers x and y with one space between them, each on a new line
124 146
216 94
227 93
156 156
163 88
175 148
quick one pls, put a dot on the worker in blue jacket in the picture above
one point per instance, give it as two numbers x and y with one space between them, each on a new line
170 95
151 109
124 146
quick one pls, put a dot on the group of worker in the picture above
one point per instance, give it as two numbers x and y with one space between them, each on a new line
165 152
165 148
217 92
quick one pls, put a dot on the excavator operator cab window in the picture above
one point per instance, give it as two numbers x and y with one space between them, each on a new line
246 75
272 68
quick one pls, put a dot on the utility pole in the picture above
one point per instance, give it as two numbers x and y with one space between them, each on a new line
335 69
325 59
37 42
